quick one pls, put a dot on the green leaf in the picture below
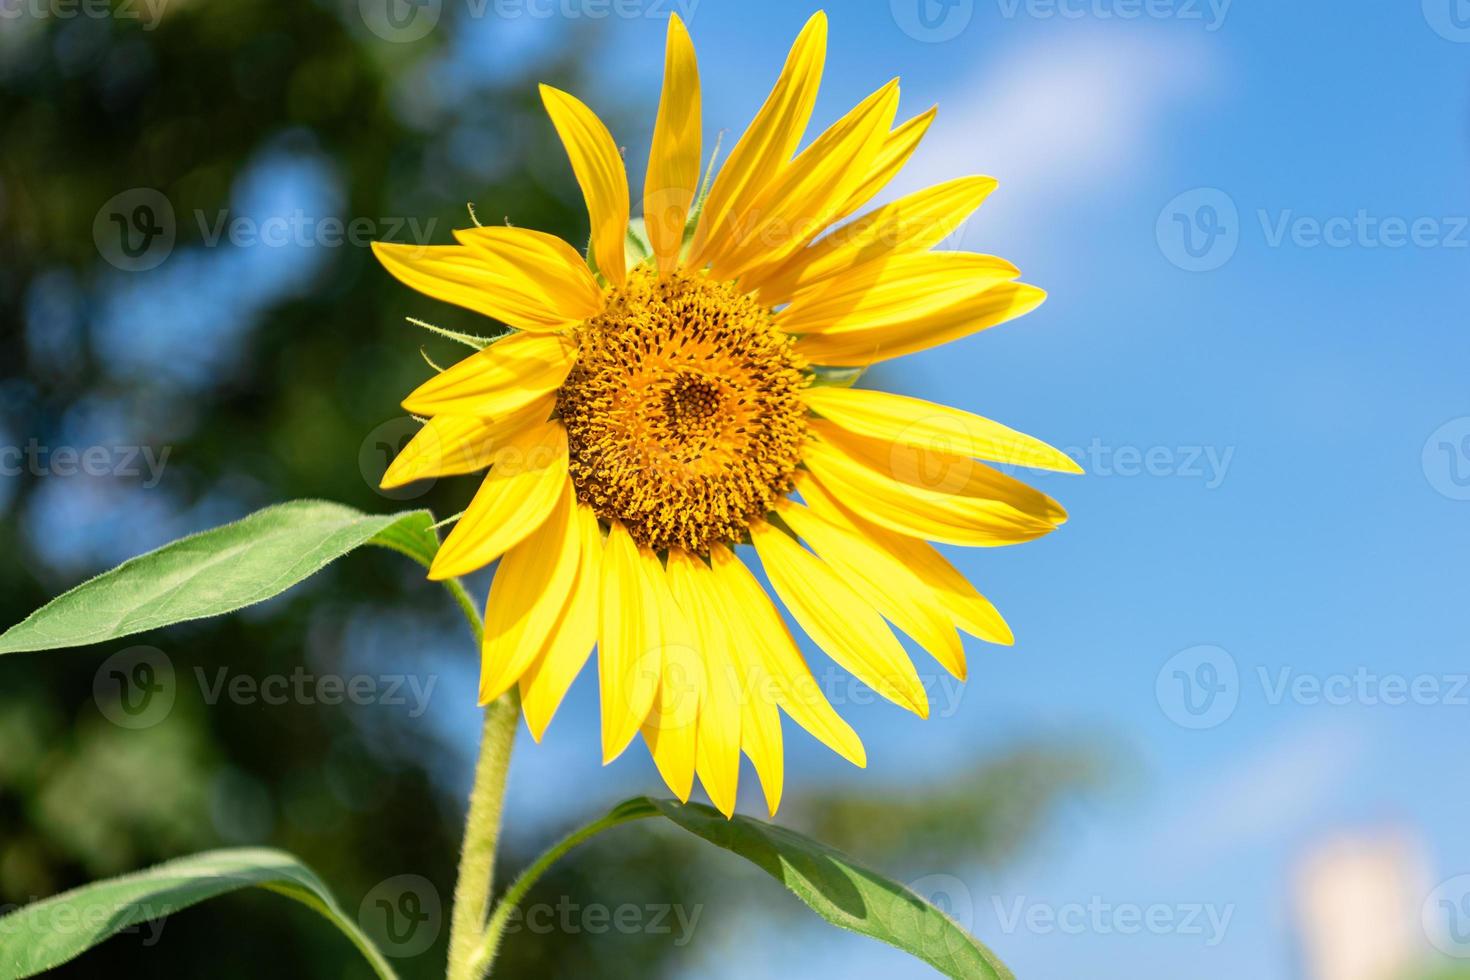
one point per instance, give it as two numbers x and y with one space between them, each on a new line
844 892
48 933
833 885
217 571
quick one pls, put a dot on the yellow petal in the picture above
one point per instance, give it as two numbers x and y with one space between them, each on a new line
760 696
629 658
940 472
803 200
897 148
972 612
766 148
485 283
860 348
527 477
673 162
838 619
546 681
894 591
910 224
901 291
672 726
761 628
718 751
449 445
531 588
925 426
599 169
884 499
538 265
498 381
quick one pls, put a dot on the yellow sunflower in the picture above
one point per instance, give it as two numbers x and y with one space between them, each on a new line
660 405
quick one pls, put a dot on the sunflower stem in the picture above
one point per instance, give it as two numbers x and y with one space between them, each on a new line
481 833
482 823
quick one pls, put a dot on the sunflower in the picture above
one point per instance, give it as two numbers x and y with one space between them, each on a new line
679 396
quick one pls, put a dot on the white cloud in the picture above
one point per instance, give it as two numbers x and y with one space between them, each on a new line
1284 784
1063 120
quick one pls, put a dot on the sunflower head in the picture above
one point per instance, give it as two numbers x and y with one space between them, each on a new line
683 411
654 414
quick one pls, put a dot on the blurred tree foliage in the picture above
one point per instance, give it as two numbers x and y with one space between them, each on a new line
270 373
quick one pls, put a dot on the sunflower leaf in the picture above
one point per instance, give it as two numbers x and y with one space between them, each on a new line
844 892
53 931
833 885
217 571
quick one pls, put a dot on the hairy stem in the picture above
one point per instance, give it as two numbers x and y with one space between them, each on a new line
482 824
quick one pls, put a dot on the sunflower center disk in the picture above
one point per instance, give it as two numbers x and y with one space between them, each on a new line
683 412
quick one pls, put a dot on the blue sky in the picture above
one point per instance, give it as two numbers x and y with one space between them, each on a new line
1291 517
1251 220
